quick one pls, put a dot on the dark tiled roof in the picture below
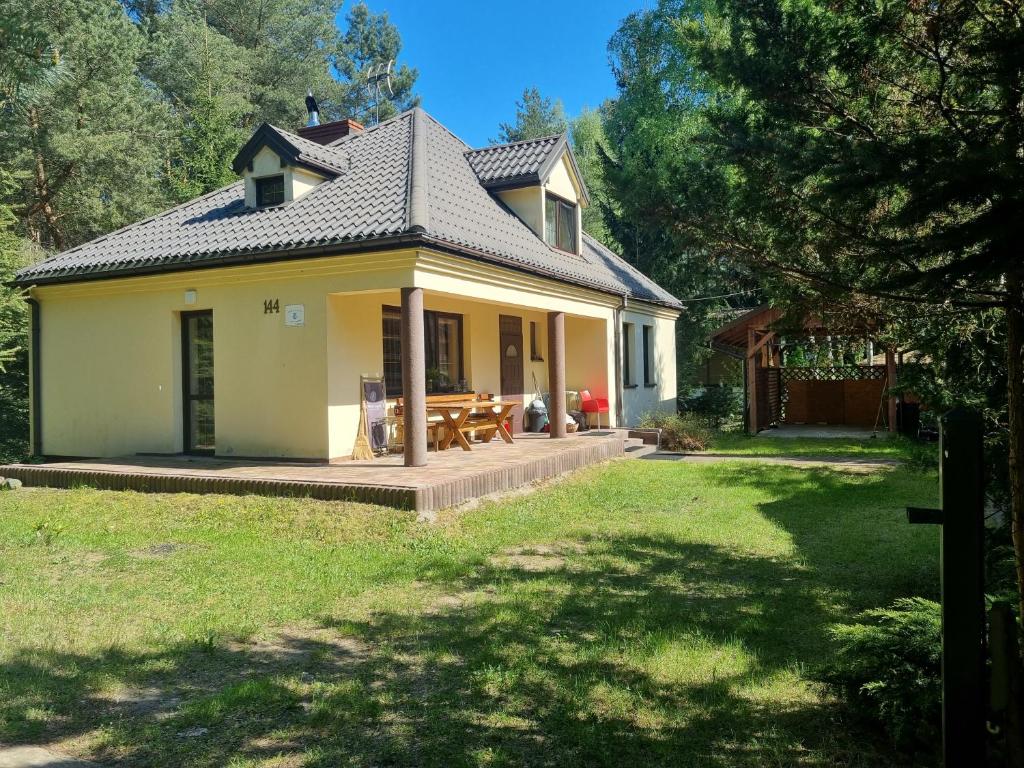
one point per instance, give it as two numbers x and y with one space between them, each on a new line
408 177
520 161
293 149
329 157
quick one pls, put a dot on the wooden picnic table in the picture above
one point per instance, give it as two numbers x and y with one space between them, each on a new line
488 416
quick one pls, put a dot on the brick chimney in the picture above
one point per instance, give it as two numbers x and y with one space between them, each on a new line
328 132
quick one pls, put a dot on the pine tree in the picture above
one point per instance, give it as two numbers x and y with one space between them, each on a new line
370 39
13 332
536 116
206 79
86 146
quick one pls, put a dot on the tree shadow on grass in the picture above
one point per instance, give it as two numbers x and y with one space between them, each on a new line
626 650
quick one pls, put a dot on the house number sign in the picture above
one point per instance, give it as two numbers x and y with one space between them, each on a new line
271 307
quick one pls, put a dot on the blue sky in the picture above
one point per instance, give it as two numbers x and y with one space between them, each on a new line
475 58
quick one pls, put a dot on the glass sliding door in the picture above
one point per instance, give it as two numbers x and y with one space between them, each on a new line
197 379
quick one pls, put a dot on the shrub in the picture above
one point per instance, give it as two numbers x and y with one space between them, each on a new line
888 668
716 404
679 432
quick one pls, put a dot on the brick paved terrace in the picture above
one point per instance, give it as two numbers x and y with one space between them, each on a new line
450 478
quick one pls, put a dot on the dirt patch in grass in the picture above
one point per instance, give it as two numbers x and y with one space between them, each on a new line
141 701
538 558
158 551
299 645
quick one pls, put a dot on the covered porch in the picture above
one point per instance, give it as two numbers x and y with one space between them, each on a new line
440 341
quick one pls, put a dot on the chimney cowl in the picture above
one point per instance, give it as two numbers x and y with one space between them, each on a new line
325 133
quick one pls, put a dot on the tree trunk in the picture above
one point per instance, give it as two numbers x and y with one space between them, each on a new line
1015 398
43 192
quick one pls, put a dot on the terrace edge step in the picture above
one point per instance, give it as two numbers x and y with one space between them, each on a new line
447 493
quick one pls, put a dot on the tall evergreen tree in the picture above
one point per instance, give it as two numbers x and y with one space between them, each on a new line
370 39
651 130
206 78
536 116
13 332
288 46
87 146
224 66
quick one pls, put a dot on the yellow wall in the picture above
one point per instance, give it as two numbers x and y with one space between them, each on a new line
560 181
111 352
589 352
528 204
111 357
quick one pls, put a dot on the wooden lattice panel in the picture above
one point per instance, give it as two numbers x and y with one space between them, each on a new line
848 394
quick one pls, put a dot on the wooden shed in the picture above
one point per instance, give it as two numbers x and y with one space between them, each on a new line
829 391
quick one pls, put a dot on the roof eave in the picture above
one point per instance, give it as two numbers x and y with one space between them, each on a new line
512 182
389 242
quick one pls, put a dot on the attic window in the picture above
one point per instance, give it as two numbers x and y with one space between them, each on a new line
560 223
269 191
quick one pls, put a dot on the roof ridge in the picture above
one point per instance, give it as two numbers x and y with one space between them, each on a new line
521 141
419 211
443 127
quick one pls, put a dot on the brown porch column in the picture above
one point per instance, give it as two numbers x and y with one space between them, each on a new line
890 381
751 371
414 380
556 372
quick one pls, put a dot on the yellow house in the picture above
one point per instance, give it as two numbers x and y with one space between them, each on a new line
240 323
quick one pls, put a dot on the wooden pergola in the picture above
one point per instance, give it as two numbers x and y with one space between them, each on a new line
755 338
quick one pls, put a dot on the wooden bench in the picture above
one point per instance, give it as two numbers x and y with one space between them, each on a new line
435 425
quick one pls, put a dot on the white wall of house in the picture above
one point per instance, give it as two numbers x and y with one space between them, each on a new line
649 386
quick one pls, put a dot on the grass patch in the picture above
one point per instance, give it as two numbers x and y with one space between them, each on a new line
883 447
656 612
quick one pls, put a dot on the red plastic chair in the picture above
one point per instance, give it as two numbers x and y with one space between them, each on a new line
591 404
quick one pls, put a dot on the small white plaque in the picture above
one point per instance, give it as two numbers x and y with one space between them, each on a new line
295 314
191 297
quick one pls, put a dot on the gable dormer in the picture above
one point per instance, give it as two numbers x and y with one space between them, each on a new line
539 181
278 166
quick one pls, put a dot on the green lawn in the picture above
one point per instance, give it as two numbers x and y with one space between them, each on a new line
883 447
641 613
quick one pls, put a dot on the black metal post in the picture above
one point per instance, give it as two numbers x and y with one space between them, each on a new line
961 555
962 483
962 489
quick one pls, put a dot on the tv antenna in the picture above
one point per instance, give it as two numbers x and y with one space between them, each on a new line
378 82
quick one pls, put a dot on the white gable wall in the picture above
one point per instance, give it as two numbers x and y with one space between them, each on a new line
297 181
659 393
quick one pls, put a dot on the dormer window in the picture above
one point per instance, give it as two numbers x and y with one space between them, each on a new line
269 191
560 223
